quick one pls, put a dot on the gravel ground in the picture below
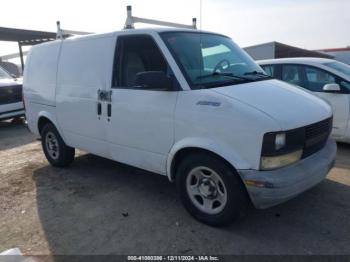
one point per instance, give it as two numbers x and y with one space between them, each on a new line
101 207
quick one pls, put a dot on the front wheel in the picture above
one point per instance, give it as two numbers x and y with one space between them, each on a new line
55 150
210 189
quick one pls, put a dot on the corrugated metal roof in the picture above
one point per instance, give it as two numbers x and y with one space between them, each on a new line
25 37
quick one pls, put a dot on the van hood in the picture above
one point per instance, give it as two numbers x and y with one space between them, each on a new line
290 106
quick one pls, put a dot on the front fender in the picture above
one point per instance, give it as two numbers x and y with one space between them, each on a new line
227 153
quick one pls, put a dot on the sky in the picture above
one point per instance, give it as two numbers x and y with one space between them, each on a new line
310 24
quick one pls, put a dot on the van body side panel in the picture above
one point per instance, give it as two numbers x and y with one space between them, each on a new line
39 83
83 70
141 128
40 76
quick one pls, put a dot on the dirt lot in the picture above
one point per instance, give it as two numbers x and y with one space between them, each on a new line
101 207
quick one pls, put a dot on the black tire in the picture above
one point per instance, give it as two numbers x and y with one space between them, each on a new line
237 199
65 154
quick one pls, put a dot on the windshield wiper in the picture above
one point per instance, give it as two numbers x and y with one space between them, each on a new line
230 75
257 73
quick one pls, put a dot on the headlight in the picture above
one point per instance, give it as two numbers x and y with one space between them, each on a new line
273 162
280 149
280 141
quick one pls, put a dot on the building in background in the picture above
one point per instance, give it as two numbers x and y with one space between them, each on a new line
273 50
340 54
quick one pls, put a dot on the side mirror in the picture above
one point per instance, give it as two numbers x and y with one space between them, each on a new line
153 80
331 88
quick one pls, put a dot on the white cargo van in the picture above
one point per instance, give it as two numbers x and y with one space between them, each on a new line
187 104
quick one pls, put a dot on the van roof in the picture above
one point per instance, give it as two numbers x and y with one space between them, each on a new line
145 30
131 31
136 31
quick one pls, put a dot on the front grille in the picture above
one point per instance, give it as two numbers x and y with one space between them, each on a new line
316 136
10 94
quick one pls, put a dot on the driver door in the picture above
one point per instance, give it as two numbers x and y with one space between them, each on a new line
140 128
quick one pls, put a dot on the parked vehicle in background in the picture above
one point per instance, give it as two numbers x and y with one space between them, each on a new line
11 104
187 104
325 78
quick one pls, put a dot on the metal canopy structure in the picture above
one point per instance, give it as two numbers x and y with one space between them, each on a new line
25 38
32 37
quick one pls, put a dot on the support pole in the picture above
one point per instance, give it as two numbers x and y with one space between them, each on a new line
194 23
21 55
59 34
129 23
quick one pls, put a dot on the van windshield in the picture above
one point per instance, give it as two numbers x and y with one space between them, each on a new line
210 60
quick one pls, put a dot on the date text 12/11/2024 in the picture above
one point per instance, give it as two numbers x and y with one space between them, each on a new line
173 258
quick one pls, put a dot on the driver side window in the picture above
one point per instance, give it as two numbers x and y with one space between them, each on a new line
137 54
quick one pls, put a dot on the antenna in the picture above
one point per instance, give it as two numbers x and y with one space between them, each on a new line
131 20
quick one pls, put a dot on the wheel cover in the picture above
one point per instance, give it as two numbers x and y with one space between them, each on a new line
51 144
206 190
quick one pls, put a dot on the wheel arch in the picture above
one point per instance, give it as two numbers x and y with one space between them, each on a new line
45 117
42 121
190 146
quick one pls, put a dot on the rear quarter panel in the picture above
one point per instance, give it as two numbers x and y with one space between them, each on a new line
39 80
39 83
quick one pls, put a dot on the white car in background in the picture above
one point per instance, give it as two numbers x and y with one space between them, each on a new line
325 78
11 104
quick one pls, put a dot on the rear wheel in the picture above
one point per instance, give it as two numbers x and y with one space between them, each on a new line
210 189
55 150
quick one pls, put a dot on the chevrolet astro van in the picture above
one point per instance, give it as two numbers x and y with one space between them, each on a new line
187 104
